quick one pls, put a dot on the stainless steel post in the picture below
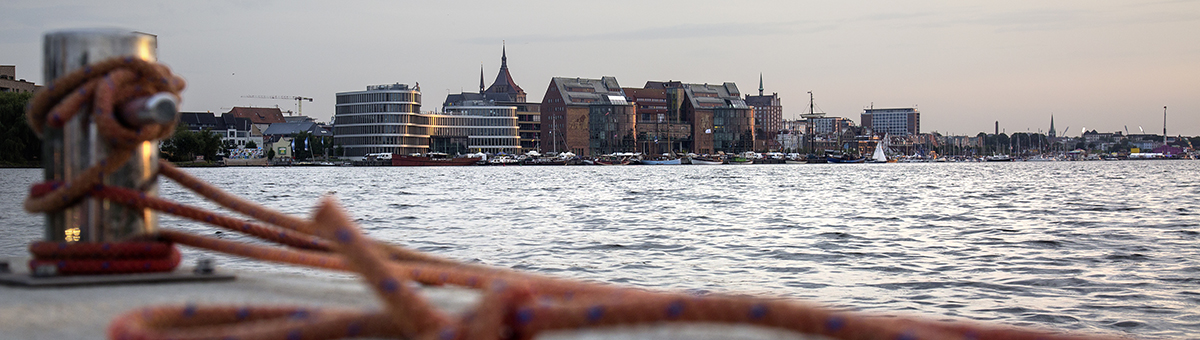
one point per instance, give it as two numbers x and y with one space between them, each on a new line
77 145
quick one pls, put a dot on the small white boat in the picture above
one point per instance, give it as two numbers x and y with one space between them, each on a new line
707 161
676 161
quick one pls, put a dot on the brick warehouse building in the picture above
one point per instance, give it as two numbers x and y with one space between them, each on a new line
588 117
719 118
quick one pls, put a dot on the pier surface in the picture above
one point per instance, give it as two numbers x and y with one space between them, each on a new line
85 311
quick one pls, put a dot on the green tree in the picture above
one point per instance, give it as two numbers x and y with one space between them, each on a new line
19 145
251 145
185 145
271 154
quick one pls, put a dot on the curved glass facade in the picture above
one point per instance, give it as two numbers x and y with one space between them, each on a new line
382 119
387 119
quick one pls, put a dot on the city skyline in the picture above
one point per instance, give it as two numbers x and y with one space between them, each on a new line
1100 66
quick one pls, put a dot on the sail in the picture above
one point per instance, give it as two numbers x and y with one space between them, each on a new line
879 156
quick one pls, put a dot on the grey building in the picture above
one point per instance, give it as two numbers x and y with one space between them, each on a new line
893 121
381 119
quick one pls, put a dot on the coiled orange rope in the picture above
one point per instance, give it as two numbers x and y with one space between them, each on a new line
102 86
514 305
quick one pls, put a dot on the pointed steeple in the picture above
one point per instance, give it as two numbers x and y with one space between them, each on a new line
760 86
1052 132
480 78
504 83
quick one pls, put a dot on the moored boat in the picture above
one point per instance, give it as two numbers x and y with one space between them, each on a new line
707 161
432 159
844 158
675 161
999 158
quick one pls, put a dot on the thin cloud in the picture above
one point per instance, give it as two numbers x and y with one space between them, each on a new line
676 32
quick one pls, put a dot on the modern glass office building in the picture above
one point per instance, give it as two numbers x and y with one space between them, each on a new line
475 126
382 119
388 119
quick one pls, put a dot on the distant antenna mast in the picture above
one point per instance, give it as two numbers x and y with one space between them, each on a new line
1164 125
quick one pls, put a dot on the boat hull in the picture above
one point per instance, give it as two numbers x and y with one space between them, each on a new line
663 162
706 162
428 161
840 160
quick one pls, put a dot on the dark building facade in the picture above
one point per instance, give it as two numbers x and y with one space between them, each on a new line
719 118
768 118
588 117
659 125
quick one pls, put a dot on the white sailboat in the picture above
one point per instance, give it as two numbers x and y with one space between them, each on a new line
879 156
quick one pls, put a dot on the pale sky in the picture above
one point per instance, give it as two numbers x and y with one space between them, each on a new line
1103 65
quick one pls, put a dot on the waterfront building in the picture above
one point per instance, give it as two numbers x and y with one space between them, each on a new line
529 124
830 125
588 117
720 119
504 91
659 127
261 117
893 121
474 126
768 118
381 119
230 128
10 83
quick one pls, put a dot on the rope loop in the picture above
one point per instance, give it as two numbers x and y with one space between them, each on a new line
98 90
104 86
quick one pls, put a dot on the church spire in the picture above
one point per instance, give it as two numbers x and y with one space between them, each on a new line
503 56
481 78
760 87
1052 132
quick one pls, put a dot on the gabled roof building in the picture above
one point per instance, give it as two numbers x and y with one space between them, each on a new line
240 130
588 117
721 120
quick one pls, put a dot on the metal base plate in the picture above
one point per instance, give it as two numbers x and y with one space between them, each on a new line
20 276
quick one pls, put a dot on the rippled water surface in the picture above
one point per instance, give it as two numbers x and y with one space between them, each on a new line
1106 247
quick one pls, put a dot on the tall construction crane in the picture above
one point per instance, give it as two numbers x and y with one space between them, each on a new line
298 99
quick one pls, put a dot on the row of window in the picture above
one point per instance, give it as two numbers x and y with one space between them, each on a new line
449 121
373 108
379 97
494 142
472 131
381 140
487 112
381 118
381 129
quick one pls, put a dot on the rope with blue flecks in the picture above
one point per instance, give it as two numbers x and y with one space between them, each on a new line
515 305
102 87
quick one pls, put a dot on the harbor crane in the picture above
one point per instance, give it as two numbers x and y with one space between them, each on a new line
298 99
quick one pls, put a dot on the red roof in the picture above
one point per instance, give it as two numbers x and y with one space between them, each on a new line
258 115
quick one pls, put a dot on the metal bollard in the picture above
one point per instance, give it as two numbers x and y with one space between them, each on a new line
77 145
